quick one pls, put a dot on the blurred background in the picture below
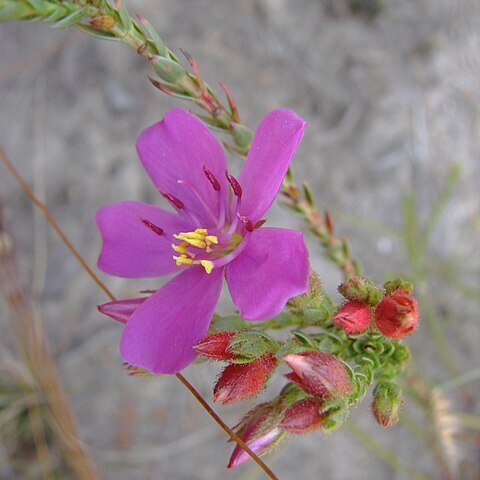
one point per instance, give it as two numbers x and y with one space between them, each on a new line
391 92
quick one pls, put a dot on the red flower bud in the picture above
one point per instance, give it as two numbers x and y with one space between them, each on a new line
303 416
216 346
353 317
241 380
396 316
319 374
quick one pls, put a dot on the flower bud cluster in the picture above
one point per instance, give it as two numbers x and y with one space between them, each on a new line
251 361
392 308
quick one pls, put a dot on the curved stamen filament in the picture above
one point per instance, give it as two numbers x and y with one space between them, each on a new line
202 202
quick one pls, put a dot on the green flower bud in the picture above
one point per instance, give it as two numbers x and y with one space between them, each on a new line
362 290
242 135
387 400
167 69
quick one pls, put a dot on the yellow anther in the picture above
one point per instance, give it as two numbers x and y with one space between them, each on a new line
196 243
181 249
182 260
207 265
199 239
190 236
211 239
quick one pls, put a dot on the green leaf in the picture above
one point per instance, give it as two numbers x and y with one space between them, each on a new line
96 33
71 19
125 19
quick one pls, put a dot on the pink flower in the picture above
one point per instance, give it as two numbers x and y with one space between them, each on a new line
214 232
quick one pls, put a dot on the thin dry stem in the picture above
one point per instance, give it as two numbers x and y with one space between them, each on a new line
446 428
26 187
28 332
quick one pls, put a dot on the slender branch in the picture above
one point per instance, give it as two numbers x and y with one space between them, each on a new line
27 189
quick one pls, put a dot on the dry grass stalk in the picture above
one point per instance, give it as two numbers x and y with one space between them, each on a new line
27 329
446 428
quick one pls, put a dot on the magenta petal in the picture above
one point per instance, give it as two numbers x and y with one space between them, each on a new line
131 249
272 268
177 148
121 310
272 149
161 333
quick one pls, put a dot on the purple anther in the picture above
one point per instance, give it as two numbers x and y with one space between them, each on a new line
211 178
154 228
260 223
173 200
237 189
248 224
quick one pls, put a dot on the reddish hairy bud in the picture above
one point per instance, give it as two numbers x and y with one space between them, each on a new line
360 289
236 187
319 374
303 416
259 429
242 380
121 310
211 178
216 346
353 317
387 401
396 316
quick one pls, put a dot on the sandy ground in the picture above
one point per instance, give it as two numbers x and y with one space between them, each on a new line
391 104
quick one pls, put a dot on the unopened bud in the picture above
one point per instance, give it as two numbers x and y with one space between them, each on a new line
319 374
303 416
102 22
387 401
167 69
216 346
396 316
395 284
353 317
361 289
259 432
242 380
121 310
242 135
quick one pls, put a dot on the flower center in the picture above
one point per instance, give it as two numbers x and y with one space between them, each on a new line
200 248
198 239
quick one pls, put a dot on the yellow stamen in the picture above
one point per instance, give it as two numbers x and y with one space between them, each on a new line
181 249
211 239
199 239
207 265
182 260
